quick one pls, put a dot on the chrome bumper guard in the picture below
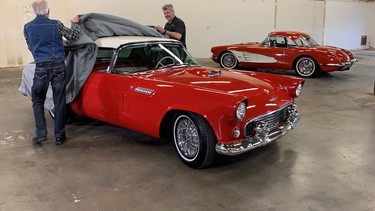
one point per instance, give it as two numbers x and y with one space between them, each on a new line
344 65
262 137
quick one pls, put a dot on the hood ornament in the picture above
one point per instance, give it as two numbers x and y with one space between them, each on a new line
273 97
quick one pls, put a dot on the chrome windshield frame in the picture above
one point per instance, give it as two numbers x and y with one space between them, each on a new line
160 44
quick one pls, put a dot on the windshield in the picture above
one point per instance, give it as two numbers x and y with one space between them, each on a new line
306 41
151 56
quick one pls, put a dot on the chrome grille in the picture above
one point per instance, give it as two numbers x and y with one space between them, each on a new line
272 120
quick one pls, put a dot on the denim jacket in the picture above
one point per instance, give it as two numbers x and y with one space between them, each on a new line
44 38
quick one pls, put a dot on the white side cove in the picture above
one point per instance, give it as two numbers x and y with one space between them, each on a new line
253 57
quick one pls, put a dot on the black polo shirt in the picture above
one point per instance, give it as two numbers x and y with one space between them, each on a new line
177 25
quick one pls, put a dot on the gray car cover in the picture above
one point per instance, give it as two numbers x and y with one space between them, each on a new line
81 54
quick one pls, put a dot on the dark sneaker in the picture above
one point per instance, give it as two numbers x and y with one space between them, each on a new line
60 140
39 140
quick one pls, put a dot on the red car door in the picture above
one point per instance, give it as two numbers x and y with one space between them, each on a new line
103 94
276 49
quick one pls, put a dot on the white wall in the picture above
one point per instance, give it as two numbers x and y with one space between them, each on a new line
209 22
305 16
346 22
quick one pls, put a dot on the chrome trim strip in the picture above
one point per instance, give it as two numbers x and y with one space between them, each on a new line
243 56
142 90
262 137
214 73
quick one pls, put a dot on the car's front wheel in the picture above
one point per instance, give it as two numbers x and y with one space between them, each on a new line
194 140
228 60
306 67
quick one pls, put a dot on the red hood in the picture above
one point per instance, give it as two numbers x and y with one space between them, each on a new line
328 48
218 79
343 54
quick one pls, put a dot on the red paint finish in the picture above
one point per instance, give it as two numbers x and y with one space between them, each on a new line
114 98
285 55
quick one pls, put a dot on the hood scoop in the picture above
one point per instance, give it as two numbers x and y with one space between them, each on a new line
212 73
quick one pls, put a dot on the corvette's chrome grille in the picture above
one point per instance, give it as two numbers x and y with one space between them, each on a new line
272 120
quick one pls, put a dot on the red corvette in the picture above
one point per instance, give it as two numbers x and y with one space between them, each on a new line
285 50
154 86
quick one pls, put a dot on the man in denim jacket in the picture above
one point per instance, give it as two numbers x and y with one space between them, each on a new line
44 40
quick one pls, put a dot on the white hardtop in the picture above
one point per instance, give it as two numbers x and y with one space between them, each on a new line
116 41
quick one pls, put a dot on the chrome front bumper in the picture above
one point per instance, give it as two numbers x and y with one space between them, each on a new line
344 65
262 137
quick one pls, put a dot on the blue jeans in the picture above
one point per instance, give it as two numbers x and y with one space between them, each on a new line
45 73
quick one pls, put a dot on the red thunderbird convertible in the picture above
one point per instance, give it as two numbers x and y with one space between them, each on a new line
285 50
154 86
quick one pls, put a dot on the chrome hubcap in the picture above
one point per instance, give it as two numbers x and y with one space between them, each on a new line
187 138
306 67
228 61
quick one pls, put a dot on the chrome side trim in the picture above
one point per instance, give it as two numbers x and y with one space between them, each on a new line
262 137
253 57
214 73
142 90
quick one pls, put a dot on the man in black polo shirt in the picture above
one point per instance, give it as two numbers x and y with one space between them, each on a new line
175 27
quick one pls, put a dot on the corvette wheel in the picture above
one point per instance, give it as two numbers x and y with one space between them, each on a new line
228 60
306 67
194 140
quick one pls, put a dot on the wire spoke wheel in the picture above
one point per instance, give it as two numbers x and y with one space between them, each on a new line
187 138
194 140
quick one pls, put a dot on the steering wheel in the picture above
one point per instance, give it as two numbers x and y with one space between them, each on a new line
162 59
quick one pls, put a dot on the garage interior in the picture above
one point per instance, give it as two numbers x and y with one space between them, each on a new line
325 163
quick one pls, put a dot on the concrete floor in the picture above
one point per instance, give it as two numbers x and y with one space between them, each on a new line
326 163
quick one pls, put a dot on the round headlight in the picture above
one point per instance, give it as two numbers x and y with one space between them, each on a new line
241 111
299 90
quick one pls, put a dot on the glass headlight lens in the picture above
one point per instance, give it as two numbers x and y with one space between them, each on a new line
241 111
299 90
